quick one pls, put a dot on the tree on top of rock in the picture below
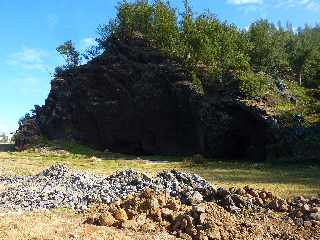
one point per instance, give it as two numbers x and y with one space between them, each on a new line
70 54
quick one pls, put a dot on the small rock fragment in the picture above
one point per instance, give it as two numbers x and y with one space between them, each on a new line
120 215
106 219
315 216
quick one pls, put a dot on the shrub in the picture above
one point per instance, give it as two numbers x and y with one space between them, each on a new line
254 85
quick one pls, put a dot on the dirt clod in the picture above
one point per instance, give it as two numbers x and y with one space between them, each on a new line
152 211
106 219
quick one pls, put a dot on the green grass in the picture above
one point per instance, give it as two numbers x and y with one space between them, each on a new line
285 181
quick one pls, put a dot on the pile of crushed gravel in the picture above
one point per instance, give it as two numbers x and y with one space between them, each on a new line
61 187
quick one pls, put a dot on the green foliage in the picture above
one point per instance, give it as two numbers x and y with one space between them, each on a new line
58 71
303 104
164 30
197 41
70 54
268 48
292 101
197 84
221 48
91 52
204 41
254 85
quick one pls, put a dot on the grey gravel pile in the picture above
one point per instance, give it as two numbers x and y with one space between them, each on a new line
11 179
59 187
190 188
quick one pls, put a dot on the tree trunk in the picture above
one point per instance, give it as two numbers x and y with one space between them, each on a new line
300 78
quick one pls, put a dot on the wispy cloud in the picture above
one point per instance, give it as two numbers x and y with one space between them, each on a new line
307 4
87 42
248 7
254 5
247 10
244 2
312 5
29 58
52 20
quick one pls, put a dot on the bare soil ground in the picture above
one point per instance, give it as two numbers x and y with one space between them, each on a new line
62 225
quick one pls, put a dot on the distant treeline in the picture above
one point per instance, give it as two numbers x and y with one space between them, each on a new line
4 138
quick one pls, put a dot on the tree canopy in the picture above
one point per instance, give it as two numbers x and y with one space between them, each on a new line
223 48
70 54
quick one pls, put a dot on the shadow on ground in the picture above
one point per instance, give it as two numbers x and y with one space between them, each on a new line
88 152
4 147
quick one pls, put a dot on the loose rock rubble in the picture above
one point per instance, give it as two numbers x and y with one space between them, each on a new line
61 187
154 212
190 188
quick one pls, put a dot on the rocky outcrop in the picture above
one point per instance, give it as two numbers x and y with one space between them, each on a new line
27 134
133 99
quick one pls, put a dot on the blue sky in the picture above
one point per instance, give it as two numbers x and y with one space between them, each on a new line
31 30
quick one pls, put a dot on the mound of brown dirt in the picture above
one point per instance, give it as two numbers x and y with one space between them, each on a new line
152 212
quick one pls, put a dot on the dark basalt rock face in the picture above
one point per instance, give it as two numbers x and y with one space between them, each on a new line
134 100
27 133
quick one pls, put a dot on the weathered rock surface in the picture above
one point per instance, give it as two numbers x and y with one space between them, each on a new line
134 100
28 133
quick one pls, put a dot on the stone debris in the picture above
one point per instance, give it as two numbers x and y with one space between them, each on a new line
151 211
61 187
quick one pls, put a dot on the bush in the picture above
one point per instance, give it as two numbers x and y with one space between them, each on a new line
254 85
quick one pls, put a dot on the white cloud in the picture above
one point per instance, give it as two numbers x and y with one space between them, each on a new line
52 20
308 4
87 42
311 5
28 58
243 2
247 10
